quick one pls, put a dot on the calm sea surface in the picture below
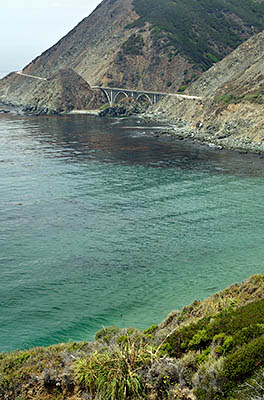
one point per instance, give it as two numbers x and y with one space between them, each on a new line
103 224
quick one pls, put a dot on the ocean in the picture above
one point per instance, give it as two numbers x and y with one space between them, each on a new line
102 223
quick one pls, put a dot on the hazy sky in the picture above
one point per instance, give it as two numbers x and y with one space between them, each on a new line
28 27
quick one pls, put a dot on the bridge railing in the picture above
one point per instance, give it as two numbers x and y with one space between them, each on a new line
112 93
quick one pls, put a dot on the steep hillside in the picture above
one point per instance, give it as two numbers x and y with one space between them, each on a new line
64 92
152 44
156 45
231 112
210 350
201 31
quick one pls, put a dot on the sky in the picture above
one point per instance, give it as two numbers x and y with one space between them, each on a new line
29 27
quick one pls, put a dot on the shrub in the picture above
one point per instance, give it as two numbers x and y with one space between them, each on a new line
106 334
204 31
113 374
198 339
212 57
11 368
229 98
151 329
182 88
202 357
229 329
255 387
208 380
133 45
104 107
240 364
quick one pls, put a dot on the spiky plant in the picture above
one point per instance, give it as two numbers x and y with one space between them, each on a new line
256 387
113 374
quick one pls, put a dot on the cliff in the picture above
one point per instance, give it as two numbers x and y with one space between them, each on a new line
173 45
210 350
148 44
60 93
232 91
151 44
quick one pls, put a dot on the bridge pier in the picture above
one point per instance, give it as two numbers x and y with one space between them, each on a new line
153 97
112 93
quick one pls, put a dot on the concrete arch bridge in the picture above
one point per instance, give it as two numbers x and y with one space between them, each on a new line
112 94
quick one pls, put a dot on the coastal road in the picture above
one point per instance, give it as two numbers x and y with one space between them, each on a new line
31 76
183 96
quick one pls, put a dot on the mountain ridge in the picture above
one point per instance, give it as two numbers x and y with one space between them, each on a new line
231 113
141 43
153 45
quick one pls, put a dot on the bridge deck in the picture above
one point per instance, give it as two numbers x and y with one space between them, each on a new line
148 92
123 90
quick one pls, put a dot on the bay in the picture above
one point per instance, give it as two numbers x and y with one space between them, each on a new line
104 224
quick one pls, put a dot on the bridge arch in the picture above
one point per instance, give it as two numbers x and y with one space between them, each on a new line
146 96
119 94
107 95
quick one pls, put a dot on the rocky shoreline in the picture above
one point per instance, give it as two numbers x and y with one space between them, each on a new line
181 129
173 127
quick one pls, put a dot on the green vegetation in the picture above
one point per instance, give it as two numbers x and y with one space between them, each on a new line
240 363
133 45
213 349
182 88
113 374
212 57
151 329
230 98
244 324
107 334
104 107
203 31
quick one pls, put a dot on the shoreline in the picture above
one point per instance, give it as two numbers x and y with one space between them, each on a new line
175 128
83 112
181 129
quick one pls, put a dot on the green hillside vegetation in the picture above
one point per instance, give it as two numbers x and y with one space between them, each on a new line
210 350
203 31
230 98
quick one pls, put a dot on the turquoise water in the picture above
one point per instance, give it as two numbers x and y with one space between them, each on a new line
103 224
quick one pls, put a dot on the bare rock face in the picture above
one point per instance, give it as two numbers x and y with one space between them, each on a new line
231 111
137 45
63 92
140 44
91 46
89 49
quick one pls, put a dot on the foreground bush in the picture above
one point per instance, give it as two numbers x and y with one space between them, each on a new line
211 350
113 374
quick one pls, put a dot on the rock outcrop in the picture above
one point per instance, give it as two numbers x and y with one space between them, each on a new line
124 108
161 46
231 112
61 93
151 44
